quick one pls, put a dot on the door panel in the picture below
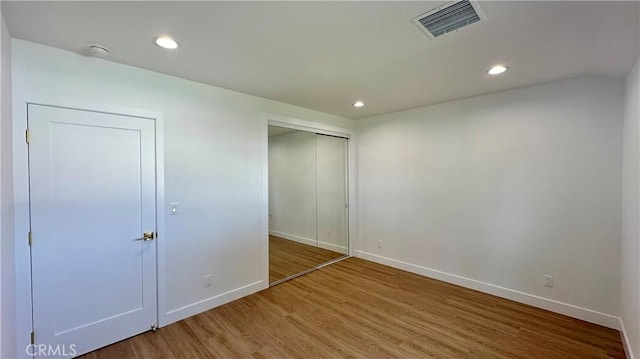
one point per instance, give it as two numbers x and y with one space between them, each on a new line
92 185
331 171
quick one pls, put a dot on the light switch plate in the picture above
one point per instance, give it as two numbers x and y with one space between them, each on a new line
173 208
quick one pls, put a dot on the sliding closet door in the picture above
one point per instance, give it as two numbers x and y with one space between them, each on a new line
331 179
292 186
307 201
292 202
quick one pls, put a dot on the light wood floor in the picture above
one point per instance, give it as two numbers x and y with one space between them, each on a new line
287 258
359 309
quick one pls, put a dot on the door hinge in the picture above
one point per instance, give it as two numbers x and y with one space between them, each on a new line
33 337
30 238
27 135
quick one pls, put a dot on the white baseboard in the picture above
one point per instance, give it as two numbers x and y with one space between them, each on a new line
625 342
186 311
570 310
293 237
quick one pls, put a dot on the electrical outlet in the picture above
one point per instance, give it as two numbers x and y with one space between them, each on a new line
379 244
328 234
548 281
208 280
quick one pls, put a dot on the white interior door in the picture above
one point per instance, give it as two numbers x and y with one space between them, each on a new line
92 185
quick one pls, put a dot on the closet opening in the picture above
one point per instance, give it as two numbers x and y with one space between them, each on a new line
308 201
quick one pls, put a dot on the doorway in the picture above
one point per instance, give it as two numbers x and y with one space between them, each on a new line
92 179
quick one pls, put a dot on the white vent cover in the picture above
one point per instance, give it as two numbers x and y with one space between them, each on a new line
449 18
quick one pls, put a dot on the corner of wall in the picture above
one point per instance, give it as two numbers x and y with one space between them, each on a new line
625 341
8 319
630 238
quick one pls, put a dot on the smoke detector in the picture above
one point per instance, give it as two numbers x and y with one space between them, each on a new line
450 17
98 50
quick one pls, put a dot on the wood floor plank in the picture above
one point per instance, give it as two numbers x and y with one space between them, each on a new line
359 309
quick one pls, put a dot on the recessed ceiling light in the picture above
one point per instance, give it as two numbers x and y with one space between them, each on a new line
166 42
358 104
497 70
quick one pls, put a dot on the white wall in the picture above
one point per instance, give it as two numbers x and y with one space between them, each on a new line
630 263
7 256
495 191
292 186
212 167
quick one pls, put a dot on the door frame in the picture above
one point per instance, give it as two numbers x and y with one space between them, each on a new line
24 307
267 119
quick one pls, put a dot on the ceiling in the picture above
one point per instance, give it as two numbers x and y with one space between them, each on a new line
327 55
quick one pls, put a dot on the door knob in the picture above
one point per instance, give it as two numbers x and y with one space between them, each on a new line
146 236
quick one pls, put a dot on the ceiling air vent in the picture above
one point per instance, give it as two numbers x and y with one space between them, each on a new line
449 18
